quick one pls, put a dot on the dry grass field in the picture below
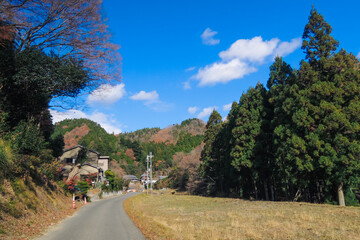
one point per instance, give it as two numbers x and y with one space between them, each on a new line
166 216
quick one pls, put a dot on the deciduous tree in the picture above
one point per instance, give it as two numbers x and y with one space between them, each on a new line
73 28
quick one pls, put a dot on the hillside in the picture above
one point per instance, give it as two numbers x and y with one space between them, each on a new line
169 134
28 207
128 151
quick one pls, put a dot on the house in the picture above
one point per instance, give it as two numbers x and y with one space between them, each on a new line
80 162
85 170
130 177
79 154
144 177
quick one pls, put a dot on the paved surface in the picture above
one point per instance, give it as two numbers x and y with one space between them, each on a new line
104 219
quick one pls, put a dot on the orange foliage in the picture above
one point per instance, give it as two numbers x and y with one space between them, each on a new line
130 153
72 138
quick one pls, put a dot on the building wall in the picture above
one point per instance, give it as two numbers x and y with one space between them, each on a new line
104 164
92 158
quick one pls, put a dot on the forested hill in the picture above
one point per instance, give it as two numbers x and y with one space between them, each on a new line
87 133
170 134
128 151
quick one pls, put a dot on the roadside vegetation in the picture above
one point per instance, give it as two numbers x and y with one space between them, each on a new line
173 216
50 52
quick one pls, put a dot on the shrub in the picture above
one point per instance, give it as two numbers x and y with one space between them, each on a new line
5 159
83 186
28 138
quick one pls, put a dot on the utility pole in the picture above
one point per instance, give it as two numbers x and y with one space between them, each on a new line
151 183
147 174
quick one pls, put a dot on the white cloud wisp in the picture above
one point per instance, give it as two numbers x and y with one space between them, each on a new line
227 107
222 72
145 96
107 94
193 110
208 37
206 112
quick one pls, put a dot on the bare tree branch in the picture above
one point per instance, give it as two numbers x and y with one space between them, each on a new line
71 28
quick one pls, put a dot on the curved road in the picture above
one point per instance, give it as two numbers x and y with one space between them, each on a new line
104 219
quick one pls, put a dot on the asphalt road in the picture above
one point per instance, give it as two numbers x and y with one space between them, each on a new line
104 219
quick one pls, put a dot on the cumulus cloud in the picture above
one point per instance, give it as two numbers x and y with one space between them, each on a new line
193 110
106 121
145 96
208 37
242 58
227 107
222 72
206 112
107 94
252 50
285 48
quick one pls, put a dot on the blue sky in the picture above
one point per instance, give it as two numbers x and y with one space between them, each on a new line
181 59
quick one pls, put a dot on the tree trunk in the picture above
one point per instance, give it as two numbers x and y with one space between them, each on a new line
341 197
272 193
266 191
256 191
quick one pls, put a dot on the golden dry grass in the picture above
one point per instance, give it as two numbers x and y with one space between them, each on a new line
192 217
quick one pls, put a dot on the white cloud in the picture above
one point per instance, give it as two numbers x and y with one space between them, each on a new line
107 94
193 110
145 96
285 48
190 69
207 37
206 112
253 50
222 72
152 101
242 58
106 121
227 107
358 56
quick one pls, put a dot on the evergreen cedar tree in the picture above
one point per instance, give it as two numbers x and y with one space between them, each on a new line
298 140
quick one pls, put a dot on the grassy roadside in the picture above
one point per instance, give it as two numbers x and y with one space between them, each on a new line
191 217
27 210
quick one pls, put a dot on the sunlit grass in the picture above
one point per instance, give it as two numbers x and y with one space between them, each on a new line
191 217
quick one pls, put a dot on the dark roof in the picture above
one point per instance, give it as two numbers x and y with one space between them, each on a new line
65 150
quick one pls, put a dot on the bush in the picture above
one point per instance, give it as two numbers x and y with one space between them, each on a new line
5 159
28 138
83 186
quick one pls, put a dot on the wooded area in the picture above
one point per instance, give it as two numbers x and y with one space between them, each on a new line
297 139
